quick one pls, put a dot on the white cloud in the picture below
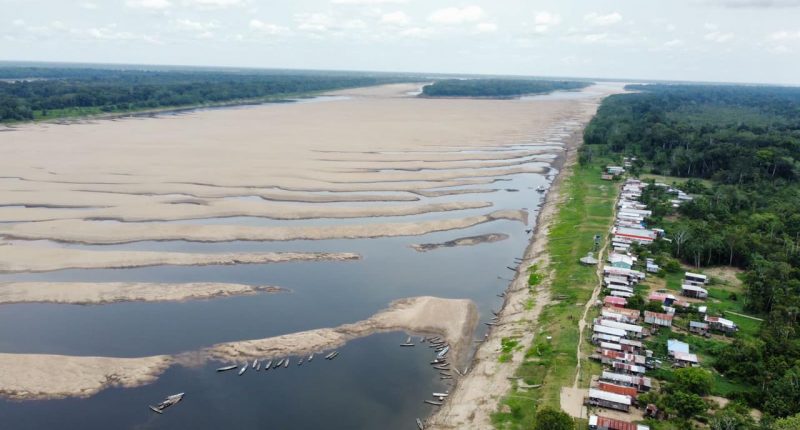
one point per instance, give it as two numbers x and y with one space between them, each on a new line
719 37
603 20
88 5
314 22
148 4
544 21
670 28
486 27
395 18
785 35
780 49
710 26
673 43
594 37
214 4
267 28
417 32
189 25
367 2
756 3
455 15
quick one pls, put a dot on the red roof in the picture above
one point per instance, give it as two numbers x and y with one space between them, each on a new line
648 314
618 389
615 301
612 424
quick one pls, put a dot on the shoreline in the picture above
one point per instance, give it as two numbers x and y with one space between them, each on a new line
48 376
477 395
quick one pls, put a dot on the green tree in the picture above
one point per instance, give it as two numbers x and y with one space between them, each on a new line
551 419
685 405
693 380
788 423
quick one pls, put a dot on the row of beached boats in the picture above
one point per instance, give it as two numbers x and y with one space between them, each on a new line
440 363
256 365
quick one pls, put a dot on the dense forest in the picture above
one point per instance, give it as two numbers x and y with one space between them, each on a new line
28 93
496 88
737 150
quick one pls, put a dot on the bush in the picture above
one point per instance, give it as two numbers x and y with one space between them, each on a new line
551 419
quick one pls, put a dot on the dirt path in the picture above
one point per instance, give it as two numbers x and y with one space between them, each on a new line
595 296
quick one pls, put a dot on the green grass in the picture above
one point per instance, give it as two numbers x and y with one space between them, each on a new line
587 211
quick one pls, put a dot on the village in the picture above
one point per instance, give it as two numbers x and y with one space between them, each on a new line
621 330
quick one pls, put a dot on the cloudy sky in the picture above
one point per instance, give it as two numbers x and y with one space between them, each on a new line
710 40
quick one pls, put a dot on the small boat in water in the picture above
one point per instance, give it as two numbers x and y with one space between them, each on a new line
268 365
419 424
167 402
286 363
255 363
279 364
408 342
258 367
541 188
443 352
243 369
300 363
310 357
333 355
440 394
226 368
431 402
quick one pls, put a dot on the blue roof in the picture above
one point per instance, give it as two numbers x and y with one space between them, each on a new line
674 345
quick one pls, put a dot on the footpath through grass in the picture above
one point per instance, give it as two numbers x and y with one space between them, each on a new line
587 209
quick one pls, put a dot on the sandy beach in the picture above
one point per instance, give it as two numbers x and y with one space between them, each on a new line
43 376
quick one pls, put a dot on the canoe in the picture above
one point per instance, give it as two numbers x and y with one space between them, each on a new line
419 424
226 368
243 369
268 365
286 363
431 402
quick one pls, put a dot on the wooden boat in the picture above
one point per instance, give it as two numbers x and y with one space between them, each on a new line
310 357
300 363
541 188
443 352
268 365
258 367
431 402
334 355
255 363
407 342
441 367
167 402
243 369
419 424
279 364
286 363
226 368
328 357
440 394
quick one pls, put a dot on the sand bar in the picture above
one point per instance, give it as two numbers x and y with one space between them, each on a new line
94 232
462 241
99 293
20 258
42 376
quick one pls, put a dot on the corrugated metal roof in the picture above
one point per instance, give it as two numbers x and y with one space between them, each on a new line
610 397
674 345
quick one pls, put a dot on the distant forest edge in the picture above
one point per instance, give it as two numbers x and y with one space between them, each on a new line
497 88
37 93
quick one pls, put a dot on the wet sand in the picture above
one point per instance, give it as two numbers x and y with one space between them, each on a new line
42 376
462 241
100 293
21 258
109 233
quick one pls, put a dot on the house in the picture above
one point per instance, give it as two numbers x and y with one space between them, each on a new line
602 423
640 235
628 368
674 345
622 281
597 338
663 298
721 324
624 294
630 274
641 383
609 356
631 330
652 267
618 389
608 400
601 329
615 301
615 287
615 170
698 327
620 314
607 177
694 278
655 318
683 359
689 290
621 260
631 345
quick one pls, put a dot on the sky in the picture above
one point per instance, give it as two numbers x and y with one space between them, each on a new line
754 41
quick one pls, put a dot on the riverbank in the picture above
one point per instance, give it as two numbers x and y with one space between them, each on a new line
499 371
45 376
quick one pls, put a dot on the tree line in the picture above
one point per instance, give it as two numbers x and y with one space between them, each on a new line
28 93
496 88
